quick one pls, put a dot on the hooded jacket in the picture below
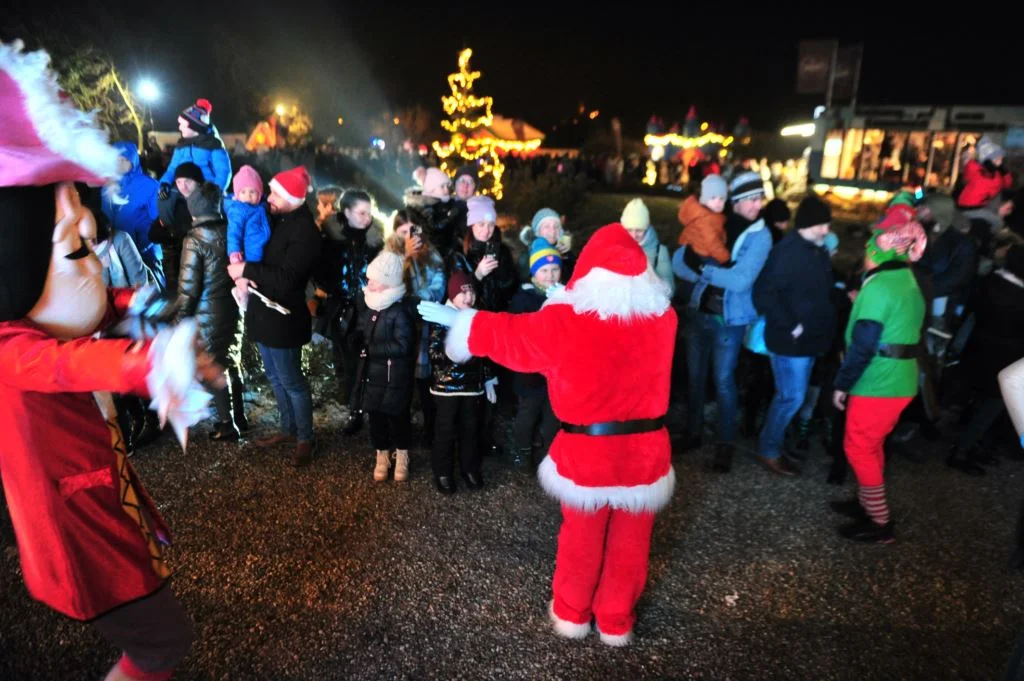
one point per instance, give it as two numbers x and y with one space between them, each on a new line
703 229
248 228
204 289
206 151
135 216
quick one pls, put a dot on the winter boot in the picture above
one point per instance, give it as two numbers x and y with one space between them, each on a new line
149 432
380 470
354 424
803 428
964 462
868 531
722 462
401 465
224 432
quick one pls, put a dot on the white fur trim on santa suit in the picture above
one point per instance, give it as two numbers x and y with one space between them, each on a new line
610 294
634 498
293 201
456 343
565 628
69 136
616 640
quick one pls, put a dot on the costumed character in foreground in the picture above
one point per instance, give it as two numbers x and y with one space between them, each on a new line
608 379
879 374
89 536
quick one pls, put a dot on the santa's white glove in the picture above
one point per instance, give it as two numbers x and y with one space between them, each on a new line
553 289
491 390
435 313
177 396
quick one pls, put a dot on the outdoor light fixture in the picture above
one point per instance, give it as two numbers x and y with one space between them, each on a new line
341 121
799 130
279 109
396 120
148 91
594 114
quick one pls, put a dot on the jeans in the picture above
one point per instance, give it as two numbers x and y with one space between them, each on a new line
792 374
291 390
709 342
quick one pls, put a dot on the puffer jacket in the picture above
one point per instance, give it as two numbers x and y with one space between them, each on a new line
528 299
527 237
495 292
206 151
133 209
341 272
204 289
388 341
169 231
248 229
443 222
451 379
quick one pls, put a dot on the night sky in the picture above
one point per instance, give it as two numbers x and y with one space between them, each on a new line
358 59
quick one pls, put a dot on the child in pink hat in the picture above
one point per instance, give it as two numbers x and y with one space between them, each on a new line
248 225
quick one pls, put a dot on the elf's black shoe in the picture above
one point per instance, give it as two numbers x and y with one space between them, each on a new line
868 531
850 508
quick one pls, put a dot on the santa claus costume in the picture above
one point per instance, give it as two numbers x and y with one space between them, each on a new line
608 378
89 537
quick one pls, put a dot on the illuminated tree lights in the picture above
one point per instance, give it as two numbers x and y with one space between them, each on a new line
466 112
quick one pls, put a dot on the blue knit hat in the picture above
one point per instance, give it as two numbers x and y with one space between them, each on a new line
542 215
746 185
713 187
543 253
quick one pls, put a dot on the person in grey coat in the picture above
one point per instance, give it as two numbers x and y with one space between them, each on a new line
637 221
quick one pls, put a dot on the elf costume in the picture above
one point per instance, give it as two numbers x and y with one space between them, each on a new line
89 537
608 378
880 371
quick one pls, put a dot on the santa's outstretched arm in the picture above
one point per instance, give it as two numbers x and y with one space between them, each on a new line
521 342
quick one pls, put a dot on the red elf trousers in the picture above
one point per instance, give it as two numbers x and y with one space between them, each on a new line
869 420
601 567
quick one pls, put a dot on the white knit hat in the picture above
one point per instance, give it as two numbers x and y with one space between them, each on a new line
636 215
386 269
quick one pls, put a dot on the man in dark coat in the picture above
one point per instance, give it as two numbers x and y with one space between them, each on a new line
279 281
174 221
204 292
792 293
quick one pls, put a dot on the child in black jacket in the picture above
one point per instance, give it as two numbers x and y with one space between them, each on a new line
457 390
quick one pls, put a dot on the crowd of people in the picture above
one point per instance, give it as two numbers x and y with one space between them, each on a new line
432 311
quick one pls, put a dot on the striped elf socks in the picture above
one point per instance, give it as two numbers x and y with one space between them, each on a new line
873 501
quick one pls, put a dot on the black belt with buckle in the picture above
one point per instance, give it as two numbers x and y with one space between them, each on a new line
617 427
899 351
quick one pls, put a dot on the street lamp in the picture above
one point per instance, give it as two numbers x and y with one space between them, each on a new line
280 109
148 91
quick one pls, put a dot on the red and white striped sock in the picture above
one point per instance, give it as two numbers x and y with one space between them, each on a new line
873 501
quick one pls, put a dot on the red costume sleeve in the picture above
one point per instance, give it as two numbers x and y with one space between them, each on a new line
31 360
528 343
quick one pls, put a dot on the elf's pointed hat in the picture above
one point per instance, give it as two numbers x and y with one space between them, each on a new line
44 139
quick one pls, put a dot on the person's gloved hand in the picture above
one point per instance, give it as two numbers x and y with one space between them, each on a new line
553 289
435 313
693 261
491 390
164 192
149 311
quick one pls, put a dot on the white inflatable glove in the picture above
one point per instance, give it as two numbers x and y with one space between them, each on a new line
177 396
491 391
436 313
1011 385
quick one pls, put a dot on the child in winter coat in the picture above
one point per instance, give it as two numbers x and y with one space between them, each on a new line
703 221
546 224
457 391
532 389
248 225
387 332
637 221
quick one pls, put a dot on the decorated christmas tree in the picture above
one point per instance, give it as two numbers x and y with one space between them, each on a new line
466 113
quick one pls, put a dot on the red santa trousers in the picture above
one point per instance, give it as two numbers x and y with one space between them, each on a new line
601 567
869 420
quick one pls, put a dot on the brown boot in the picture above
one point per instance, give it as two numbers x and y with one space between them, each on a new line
274 440
401 465
303 454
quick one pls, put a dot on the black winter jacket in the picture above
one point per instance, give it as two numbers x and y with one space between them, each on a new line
451 379
794 288
951 261
341 272
204 289
495 292
528 299
998 337
388 343
444 222
288 261
173 223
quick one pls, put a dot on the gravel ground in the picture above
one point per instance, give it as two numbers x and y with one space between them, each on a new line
322 574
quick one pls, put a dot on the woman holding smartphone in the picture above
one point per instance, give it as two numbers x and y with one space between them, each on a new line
485 258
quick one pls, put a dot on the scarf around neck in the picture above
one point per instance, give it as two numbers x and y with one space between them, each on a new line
382 300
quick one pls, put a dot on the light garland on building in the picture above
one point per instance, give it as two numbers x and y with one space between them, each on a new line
683 142
467 112
651 174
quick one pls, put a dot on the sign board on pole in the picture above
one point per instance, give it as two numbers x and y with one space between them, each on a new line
847 66
813 65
